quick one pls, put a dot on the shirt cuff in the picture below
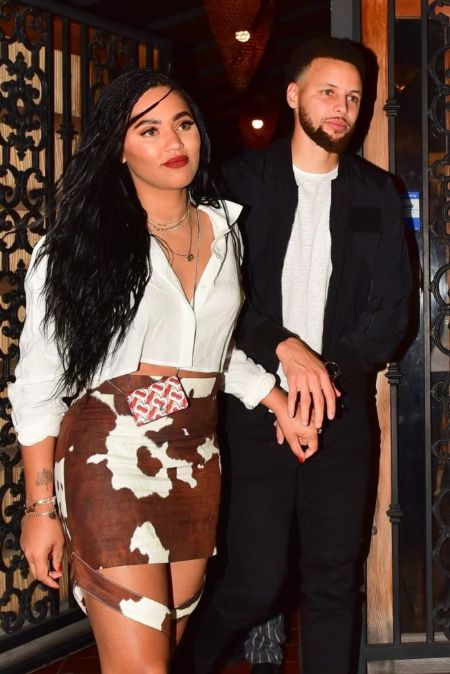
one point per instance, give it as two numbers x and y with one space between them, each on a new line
37 431
246 380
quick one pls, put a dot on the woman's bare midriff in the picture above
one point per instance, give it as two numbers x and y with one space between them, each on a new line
168 370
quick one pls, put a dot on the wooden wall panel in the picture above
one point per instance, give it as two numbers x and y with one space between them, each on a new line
374 25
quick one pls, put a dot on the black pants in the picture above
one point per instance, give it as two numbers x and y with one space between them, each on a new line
329 499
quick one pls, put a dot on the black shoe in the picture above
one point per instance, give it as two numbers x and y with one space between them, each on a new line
266 668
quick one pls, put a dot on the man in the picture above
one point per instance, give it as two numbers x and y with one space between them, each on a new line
328 283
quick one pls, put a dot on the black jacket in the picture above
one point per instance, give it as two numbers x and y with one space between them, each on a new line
368 302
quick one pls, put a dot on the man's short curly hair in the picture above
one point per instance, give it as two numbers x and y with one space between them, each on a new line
340 49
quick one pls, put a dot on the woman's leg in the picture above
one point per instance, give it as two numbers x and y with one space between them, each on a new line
187 581
125 645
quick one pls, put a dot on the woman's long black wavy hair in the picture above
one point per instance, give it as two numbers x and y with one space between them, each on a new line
98 247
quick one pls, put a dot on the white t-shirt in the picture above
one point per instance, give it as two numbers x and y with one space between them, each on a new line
307 265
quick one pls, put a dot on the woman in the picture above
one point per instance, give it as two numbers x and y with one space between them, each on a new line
131 301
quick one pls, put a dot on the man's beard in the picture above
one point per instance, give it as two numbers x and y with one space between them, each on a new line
321 137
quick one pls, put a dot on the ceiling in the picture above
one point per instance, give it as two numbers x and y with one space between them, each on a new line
198 65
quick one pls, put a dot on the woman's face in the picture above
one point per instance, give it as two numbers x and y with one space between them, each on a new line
162 147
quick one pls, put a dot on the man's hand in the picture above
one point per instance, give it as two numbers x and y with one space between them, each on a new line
306 375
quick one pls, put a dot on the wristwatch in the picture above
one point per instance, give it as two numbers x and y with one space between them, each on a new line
333 370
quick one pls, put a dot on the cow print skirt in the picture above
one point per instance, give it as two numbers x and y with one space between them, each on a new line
130 494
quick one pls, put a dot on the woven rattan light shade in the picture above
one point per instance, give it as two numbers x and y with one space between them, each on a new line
226 18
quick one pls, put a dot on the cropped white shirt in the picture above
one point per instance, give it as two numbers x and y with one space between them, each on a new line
195 338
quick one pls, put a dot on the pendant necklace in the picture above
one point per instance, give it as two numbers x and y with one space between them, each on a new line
189 256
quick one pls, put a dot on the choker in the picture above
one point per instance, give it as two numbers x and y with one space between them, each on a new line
161 227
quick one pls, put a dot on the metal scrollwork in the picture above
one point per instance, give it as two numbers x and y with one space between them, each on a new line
441 394
21 109
46 89
11 560
9 13
439 335
442 615
110 55
435 15
23 143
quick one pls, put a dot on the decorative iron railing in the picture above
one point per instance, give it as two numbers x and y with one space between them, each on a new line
54 61
419 121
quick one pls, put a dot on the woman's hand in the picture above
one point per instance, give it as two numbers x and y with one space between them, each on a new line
303 440
42 542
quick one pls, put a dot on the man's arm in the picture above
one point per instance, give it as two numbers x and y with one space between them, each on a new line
259 335
305 373
372 341
383 324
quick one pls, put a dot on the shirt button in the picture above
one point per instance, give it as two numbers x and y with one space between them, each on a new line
218 256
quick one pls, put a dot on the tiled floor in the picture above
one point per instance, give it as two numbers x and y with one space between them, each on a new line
86 662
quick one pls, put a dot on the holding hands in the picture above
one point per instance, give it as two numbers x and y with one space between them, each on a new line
312 395
303 440
308 378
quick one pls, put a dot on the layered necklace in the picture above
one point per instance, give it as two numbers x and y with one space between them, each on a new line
165 227
160 227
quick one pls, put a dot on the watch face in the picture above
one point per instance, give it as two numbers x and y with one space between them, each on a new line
333 370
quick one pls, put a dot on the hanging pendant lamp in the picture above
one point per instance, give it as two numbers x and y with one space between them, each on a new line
241 29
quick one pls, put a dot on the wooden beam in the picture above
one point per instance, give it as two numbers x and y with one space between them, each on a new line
374 22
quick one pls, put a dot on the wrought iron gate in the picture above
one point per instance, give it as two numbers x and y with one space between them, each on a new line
419 112
54 61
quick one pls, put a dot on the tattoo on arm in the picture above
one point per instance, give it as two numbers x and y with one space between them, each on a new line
44 478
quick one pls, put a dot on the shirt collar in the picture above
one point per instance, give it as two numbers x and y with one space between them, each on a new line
218 216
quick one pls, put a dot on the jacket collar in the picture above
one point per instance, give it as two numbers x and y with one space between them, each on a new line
280 164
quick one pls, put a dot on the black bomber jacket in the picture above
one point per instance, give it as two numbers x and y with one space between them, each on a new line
368 303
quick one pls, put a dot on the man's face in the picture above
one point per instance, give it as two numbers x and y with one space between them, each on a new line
327 98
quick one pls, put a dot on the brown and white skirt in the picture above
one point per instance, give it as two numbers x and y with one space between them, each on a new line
130 494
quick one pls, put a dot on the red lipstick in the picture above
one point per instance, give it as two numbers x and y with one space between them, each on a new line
177 162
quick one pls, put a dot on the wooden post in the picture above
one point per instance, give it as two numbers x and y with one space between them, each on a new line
374 24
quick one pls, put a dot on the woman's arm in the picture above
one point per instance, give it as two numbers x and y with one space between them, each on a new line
252 385
42 539
36 397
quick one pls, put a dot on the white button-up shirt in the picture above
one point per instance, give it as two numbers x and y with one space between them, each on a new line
189 336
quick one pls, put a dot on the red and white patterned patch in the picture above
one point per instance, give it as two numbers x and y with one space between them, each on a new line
163 397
